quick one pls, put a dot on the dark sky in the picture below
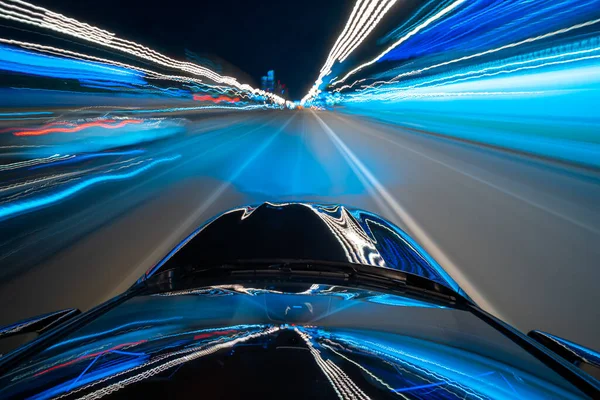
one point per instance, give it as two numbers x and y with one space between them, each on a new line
291 37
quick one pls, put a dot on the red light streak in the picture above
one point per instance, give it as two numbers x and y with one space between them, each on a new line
100 124
220 99
215 333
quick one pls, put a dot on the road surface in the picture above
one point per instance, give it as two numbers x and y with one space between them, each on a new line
520 235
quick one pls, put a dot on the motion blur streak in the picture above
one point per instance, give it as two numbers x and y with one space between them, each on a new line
32 163
495 50
27 13
219 99
162 363
517 75
37 64
441 14
416 30
83 157
89 355
106 124
342 384
439 367
352 36
27 205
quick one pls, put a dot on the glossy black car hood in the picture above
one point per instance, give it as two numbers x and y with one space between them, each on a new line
265 340
303 231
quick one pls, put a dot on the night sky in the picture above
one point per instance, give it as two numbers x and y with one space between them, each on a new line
293 38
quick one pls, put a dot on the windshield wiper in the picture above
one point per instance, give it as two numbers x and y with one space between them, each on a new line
293 270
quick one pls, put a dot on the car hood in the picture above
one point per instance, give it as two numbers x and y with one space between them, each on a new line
285 340
304 231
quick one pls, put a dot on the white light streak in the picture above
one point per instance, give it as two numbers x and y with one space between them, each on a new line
344 387
365 16
480 54
404 38
35 161
163 365
27 13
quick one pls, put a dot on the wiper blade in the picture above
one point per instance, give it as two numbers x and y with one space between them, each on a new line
347 273
294 267
282 268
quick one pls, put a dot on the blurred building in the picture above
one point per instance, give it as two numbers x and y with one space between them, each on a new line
219 65
204 61
270 84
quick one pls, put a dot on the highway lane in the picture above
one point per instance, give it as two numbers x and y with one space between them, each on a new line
518 234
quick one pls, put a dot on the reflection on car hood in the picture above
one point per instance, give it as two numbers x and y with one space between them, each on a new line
265 340
303 231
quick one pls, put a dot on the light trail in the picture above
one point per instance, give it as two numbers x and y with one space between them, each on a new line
375 19
83 157
403 39
372 375
341 383
216 107
219 99
22 114
150 74
33 162
482 72
163 363
30 14
365 16
476 55
481 79
14 208
106 124
89 355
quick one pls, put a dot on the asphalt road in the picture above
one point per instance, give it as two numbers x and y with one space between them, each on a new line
520 235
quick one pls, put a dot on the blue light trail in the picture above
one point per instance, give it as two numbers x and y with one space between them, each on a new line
519 75
26 62
30 15
83 157
15 208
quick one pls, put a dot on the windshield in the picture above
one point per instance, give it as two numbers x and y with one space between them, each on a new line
363 342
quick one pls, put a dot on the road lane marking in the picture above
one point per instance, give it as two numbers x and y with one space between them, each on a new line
192 220
483 181
419 233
